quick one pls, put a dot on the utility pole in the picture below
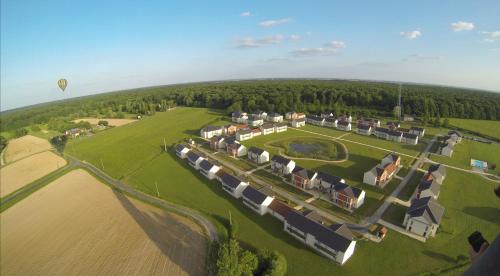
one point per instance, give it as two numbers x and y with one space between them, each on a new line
102 164
164 144
157 192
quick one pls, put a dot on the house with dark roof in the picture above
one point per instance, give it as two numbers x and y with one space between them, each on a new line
423 217
279 209
446 149
303 178
233 185
298 122
455 135
391 158
208 169
420 131
369 121
258 155
210 131
280 127
255 120
282 165
364 129
345 117
331 242
326 115
267 128
347 197
239 117
393 125
315 120
244 134
259 114
236 150
181 150
438 172
331 122
327 181
217 142
395 135
428 188
382 173
274 117
256 200
381 132
344 125
194 159
409 138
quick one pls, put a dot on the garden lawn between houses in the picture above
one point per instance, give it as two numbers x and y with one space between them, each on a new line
134 153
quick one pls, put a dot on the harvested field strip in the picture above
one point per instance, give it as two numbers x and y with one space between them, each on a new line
77 225
16 175
23 147
111 122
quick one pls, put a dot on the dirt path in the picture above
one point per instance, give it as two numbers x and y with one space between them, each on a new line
77 225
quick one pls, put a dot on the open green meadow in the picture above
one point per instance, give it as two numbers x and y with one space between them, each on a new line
485 127
135 154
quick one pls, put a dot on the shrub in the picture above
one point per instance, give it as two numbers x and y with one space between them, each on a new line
271 263
232 260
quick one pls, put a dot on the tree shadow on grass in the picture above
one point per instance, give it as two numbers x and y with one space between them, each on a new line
441 256
167 235
489 214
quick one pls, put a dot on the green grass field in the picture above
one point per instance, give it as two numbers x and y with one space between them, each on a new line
464 151
485 127
134 153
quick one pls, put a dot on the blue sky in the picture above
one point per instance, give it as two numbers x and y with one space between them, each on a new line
100 46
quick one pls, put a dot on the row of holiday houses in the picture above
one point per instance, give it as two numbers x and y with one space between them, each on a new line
448 142
335 242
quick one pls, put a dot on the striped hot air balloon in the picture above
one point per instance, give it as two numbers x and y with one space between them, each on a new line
62 84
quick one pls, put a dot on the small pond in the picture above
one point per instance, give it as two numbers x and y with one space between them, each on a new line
305 148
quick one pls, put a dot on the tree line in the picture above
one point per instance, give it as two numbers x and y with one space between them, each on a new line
310 96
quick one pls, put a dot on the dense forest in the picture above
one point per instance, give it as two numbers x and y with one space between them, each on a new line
310 96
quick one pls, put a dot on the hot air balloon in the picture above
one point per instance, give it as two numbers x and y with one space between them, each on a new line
62 84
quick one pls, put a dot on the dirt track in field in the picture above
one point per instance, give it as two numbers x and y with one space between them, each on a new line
77 225
20 173
24 146
111 122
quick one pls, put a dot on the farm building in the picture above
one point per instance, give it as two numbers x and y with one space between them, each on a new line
233 185
344 125
347 196
194 159
423 217
256 200
258 155
244 134
211 131
208 169
236 150
334 243
267 128
364 129
279 209
280 127
181 150
282 165
274 117
418 131
298 122
303 178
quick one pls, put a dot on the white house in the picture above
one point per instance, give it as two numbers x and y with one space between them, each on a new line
327 181
423 217
260 114
344 125
346 117
181 151
267 128
255 121
438 172
236 150
244 134
274 117
258 156
256 200
336 242
418 131
282 165
381 132
409 138
280 127
210 131
239 117
347 196
315 120
299 122
456 135
233 185
364 129
331 122
208 169
194 159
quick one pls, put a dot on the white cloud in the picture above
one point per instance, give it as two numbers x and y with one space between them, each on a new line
272 23
329 48
491 36
246 14
250 42
411 34
295 37
462 26
420 57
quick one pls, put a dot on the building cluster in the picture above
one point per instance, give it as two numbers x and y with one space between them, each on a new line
335 242
329 120
76 132
425 213
449 141
339 193
392 132
382 173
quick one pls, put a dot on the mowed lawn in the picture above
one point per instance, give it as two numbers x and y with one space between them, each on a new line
136 149
467 149
489 128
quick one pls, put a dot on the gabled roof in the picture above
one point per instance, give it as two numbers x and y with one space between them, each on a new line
217 138
254 117
256 150
231 140
254 195
267 126
322 233
382 129
304 173
419 129
283 124
329 178
343 123
281 160
192 156
342 230
235 145
393 156
331 120
237 113
395 133
438 169
364 126
280 208
300 120
211 128
427 208
458 133
273 114
404 130
180 147
206 165
314 117
230 180
348 190
244 131
410 136
429 185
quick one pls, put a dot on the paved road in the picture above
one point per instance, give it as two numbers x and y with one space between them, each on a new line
378 214
205 223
